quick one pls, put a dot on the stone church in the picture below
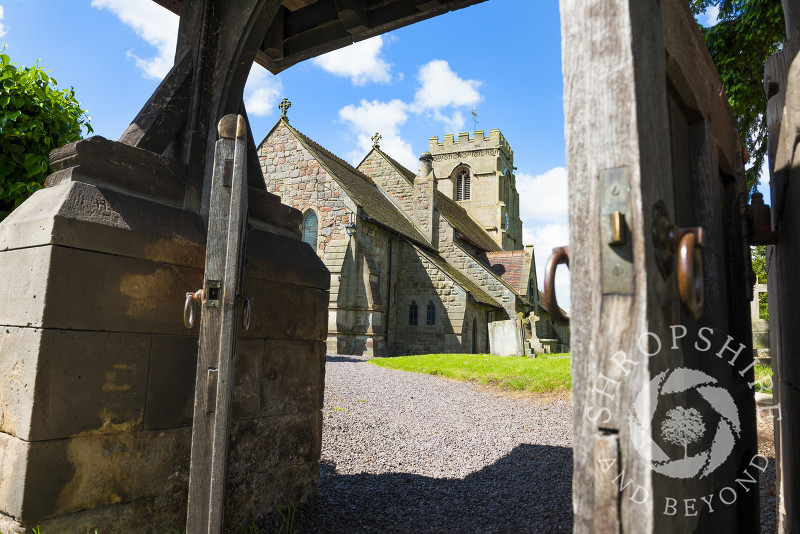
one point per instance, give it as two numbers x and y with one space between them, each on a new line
426 262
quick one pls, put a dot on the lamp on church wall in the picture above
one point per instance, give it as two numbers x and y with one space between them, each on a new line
350 228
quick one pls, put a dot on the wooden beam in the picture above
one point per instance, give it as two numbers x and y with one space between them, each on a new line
164 114
294 5
273 41
353 14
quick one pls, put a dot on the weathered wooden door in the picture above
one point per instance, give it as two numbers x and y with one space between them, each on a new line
782 85
663 408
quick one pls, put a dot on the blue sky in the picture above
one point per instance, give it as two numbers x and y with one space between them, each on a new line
501 57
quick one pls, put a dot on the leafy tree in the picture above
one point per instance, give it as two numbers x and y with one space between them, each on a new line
748 32
759 255
35 118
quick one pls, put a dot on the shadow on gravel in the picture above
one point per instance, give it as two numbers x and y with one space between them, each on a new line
331 358
527 491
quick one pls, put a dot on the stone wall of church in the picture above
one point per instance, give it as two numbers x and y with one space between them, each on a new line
423 283
481 276
358 264
292 172
389 180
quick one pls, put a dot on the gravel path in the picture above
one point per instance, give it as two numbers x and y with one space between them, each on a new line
413 453
406 452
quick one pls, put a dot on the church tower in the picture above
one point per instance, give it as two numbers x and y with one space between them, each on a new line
478 173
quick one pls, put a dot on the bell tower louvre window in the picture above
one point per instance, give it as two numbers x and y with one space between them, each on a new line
463 185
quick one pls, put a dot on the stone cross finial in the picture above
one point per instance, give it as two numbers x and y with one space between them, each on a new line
284 106
376 139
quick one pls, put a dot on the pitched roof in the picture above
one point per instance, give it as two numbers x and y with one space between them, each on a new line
509 265
467 226
454 214
363 190
478 294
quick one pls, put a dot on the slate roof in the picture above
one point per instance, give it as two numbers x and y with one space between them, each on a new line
478 294
363 190
457 216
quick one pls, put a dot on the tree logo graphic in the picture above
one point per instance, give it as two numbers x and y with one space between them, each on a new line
684 426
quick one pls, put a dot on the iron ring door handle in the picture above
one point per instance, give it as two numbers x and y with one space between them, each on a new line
248 304
560 255
190 307
691 286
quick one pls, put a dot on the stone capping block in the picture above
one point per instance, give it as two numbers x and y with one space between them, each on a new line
88 217
277 258
265 210
83 216
121 167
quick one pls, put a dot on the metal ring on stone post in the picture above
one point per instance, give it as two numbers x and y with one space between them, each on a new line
560 255
190 307
690 271
248 302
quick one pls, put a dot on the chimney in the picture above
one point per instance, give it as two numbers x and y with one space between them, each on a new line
425 215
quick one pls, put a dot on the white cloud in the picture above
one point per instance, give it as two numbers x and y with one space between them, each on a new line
151 22
262 91
543 197
710 17
384 118
361 62
441 88
2 26
544 212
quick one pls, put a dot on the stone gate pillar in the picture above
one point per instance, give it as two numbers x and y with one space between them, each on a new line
97 370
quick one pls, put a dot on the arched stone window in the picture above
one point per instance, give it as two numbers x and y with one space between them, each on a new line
412 314
431 316
310 227
463 184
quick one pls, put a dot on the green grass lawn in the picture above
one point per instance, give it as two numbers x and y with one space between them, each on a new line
541 374
762 384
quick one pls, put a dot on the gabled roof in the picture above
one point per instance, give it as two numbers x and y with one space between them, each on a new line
478 294
404 172
362 189
457 216
509 265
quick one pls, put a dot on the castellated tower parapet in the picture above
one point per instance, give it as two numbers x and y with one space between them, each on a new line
479 141
478 173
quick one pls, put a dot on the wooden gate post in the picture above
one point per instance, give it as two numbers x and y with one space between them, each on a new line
218 330
663 412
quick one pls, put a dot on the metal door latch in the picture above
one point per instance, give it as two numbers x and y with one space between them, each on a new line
680 246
